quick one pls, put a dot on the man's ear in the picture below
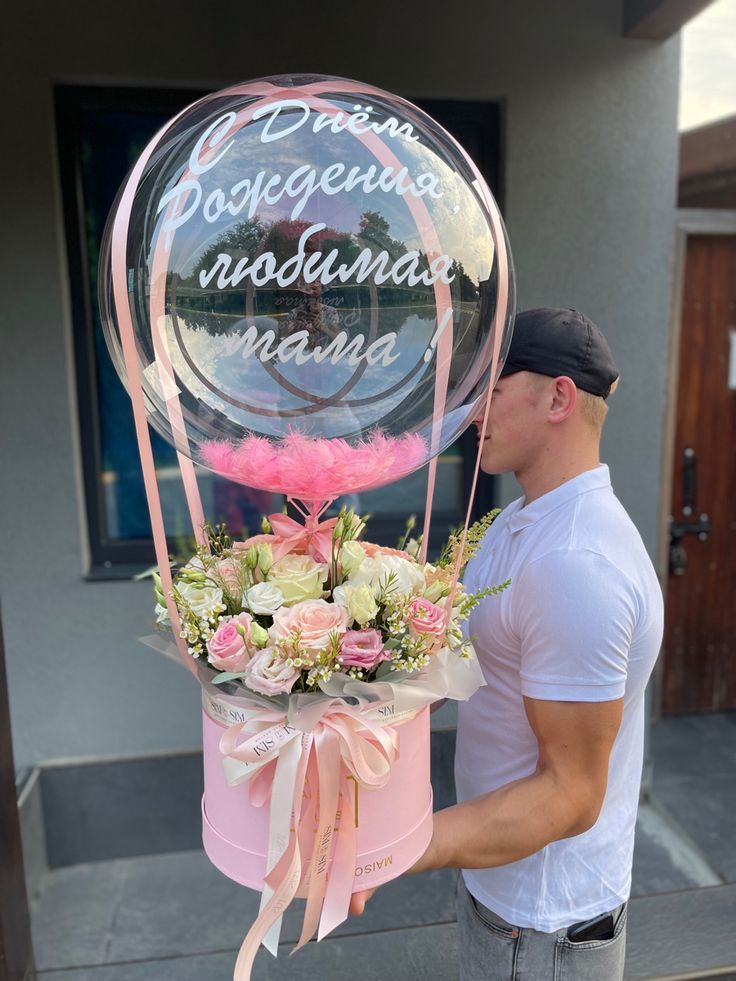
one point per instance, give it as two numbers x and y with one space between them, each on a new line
564 399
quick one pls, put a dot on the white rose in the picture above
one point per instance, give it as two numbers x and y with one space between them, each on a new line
357 600
263 599
202 600
374 572
299 578
351 556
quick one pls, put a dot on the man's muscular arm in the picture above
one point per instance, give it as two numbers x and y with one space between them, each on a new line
562 798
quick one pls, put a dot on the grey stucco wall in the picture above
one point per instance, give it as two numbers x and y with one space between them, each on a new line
590 170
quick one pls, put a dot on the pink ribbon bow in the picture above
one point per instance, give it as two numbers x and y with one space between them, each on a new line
313 537
340 740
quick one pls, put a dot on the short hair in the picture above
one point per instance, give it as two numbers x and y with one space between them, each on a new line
594 408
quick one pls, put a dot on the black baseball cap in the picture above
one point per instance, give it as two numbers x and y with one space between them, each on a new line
562 342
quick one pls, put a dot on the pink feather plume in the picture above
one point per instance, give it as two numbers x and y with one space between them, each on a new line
315 469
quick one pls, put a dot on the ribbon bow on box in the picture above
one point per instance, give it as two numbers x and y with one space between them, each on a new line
280 746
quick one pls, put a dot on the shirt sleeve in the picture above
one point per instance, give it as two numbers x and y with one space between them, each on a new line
575 614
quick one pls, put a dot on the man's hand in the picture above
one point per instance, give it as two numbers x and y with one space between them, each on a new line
358 901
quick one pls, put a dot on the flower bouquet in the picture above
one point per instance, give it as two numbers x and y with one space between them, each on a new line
319 655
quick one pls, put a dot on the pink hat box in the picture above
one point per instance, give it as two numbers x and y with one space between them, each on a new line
393 823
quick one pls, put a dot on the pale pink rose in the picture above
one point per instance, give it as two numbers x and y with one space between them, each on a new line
315 619
268 674
372 551
228 649
363 649
280 546
230 573
427 618
253 540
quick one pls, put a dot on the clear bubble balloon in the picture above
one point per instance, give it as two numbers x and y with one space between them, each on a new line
315 278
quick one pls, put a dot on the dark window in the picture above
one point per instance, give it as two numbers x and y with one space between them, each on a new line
100 134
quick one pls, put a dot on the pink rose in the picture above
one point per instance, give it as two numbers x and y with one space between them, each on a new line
228 649
268 674
363 649
427 618
315 619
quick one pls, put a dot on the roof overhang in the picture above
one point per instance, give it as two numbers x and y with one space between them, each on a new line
657 20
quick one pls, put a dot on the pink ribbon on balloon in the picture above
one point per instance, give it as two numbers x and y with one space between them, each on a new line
341 741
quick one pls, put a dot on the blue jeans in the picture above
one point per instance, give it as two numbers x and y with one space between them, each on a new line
493 950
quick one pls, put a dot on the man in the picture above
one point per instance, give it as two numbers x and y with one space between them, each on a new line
549 752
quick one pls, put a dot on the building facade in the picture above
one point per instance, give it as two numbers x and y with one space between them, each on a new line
586 173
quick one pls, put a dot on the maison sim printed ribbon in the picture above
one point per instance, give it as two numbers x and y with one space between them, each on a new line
339 736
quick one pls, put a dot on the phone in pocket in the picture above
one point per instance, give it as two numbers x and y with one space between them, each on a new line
598 928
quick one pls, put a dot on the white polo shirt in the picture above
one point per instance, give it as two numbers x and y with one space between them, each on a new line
581 621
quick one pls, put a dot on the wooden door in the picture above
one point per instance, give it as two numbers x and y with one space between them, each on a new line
699 670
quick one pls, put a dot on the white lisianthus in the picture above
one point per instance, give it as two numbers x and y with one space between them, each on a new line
263 599
351 556
269 674
202 600
407 578
299 578
357 600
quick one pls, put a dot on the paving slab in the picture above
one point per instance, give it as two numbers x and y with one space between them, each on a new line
157 906
682 935
72 919
420 954
694 767
154 906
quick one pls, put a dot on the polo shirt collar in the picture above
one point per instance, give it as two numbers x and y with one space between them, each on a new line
527 515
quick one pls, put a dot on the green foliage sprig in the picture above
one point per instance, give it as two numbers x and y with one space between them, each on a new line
475 535
474 599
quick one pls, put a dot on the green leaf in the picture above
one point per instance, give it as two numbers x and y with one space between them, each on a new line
225 676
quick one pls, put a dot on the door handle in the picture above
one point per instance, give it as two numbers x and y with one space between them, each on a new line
689 480
678 556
